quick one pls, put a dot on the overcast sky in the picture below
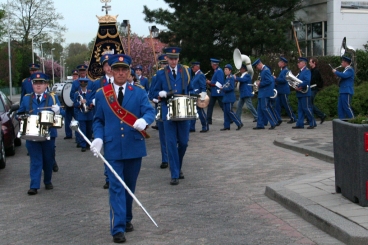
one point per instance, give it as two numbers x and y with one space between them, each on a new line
82 24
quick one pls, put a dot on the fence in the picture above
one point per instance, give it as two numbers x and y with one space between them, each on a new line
6 90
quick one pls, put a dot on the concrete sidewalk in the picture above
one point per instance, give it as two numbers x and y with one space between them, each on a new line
313 196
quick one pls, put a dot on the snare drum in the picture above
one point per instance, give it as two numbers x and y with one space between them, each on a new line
182 108
58 121
30 129
46 118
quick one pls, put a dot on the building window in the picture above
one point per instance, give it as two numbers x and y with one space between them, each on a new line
312 38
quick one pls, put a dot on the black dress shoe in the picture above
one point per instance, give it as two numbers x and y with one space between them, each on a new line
55 168
255 120
49 186
164 165
154 127
278 123
291 121
297 127
181 175
272 127
310 127
223 129
239 127
209 122
119 237
129 227
192 131
203 131
106 185
32 192
83 149
174 182
67 138
323 119
256 128
78 146
306 123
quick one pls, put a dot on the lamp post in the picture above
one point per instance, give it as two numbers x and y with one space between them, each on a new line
126 29
64 71
32 51
296 26
52 66
43 59
153 33
61 68
9 54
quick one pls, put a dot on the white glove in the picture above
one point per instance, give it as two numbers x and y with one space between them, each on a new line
140 124
56 109
155 101
219 85
96 146
93 102
203 95
162 94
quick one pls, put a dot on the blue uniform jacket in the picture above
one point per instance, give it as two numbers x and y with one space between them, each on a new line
122 141
281 85
88 96
97 83
244 89
228 89
24 107
305 75
75 87
267 83
176 85
26 87
151 89
347 80
218 76
198 83
144 82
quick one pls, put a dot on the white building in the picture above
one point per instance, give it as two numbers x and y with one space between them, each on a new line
327 22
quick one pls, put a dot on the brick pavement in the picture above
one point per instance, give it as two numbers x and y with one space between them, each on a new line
220 201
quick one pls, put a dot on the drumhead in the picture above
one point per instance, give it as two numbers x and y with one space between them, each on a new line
65 94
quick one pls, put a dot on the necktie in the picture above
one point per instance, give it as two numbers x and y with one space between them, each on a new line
109 80
174 74
120 96
84 94
38 99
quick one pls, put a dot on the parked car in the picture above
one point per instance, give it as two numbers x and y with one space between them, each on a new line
10 125
2 151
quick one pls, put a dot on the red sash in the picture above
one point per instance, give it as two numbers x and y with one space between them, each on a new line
119 111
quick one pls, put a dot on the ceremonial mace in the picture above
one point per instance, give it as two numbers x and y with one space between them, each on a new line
74 125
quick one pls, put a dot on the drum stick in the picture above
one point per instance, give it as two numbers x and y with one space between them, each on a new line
48 107
74 125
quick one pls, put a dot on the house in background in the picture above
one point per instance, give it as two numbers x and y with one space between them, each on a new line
326 23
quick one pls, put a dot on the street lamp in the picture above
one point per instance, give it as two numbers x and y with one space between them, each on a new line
153 33
64 71
9 54
61 66
296 26
125 26
43 59
52 66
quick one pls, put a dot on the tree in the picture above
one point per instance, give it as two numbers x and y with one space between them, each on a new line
77 54
206 29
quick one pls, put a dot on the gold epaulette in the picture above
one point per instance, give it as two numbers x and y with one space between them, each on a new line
140 86
27 95
98 90
185 66
24 79
160 69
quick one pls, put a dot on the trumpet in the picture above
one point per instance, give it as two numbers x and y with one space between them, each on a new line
84 108
294 82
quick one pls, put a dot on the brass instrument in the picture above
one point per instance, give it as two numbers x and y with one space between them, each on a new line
350 50
240 58
294 82
84 108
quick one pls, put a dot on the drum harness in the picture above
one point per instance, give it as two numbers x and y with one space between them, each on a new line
47 100
182 79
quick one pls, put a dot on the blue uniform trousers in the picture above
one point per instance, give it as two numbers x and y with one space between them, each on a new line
343 106
316 111
177 137
305 110
211 105
249 104
283 101
161 134
230 116
272 105
120 200
86 128
78 138
42 155
69 113
264 113
202 117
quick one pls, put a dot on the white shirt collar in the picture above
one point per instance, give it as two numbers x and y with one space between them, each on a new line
176 69
197 72
111 78
116 88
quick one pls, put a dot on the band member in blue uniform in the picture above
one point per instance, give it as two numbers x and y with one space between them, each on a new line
304 103
122 113
69 113
346 90
160 124
42 153
245 93
142 79
199 88
83 101
317 81
265 91
174 79
229 99
283 91
27 82
108 77
218 76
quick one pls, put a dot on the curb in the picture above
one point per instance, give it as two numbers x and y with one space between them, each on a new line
319 154
326 220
